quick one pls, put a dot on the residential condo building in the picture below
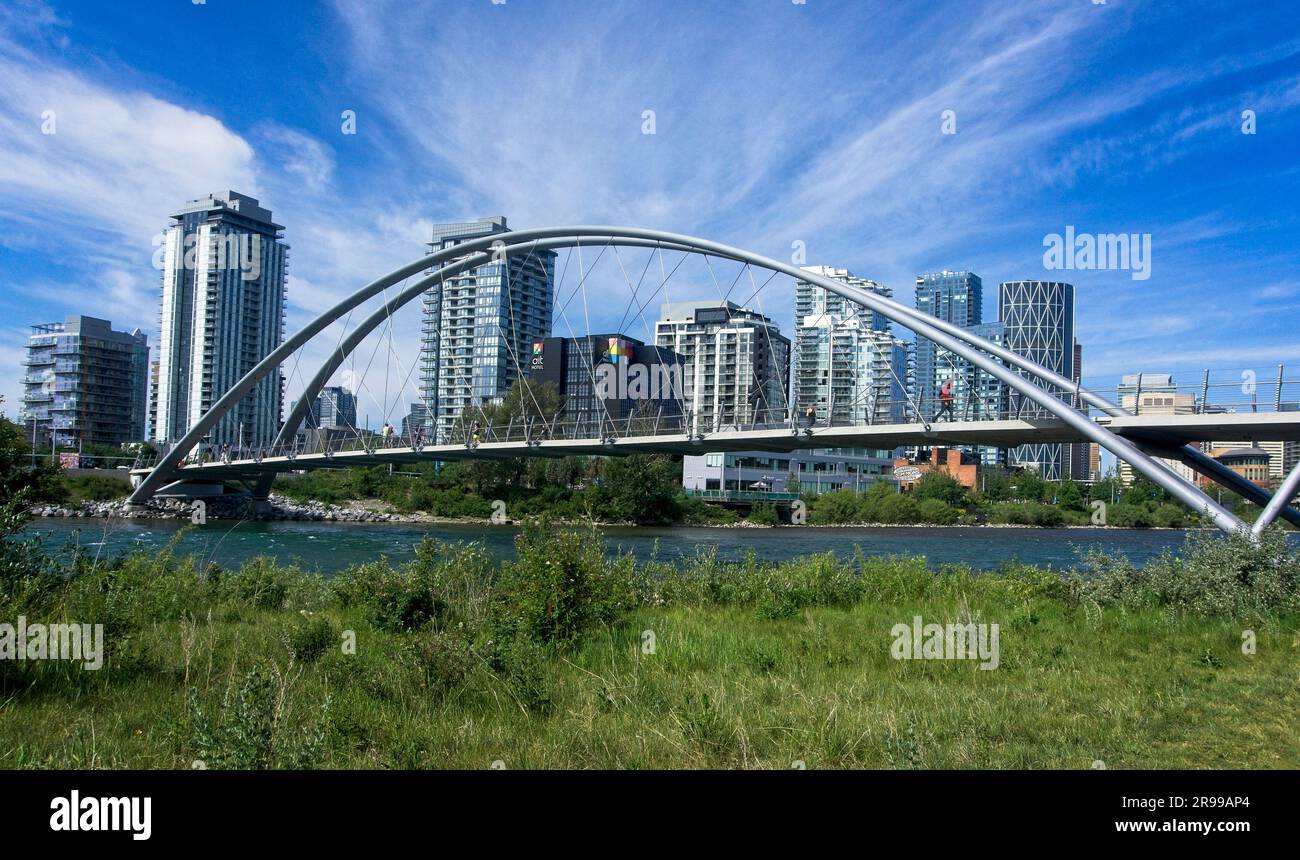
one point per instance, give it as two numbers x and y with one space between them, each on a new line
736 363
85 383
848 365
223 294
479 327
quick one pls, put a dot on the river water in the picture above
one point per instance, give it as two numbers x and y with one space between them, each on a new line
329 547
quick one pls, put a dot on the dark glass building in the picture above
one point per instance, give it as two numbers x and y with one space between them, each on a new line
607 379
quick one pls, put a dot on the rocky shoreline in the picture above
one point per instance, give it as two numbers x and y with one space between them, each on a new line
280 508
277 508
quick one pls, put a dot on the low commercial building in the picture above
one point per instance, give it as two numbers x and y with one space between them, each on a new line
962 466
1251 463
815 471
1155 394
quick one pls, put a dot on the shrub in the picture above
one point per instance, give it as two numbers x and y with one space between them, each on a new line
763 514
522 664
934 511
841 506
551 593
27 577
1227 575
260 582
695 511
250 732
941 486
392 599
311 638
446 659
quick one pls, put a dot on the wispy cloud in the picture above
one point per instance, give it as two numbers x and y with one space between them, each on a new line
772 122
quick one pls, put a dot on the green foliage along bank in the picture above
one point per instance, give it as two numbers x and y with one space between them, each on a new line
564 657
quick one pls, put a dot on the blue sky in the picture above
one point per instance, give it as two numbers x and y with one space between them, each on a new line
775 122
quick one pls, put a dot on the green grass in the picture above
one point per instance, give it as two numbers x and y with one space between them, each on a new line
543 664
73 490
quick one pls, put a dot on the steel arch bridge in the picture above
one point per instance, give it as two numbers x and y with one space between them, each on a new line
1115 430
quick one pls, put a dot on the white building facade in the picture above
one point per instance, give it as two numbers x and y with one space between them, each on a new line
223 295
736 364
848 365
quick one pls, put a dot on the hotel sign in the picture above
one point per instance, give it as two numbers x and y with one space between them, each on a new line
908 474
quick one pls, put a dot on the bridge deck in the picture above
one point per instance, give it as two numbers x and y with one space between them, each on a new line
1157 429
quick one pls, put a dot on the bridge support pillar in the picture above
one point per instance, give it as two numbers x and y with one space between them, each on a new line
262 489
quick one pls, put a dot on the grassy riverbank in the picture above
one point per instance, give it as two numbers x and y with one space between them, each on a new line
566 659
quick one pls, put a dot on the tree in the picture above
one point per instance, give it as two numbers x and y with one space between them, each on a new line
996 486
1070 496
1144 492
17 474
938 484
1029 486
527 407
641 488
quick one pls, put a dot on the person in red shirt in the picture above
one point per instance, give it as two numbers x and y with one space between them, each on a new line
945 401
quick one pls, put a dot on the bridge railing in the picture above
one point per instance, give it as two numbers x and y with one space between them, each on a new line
1208 392
1211 392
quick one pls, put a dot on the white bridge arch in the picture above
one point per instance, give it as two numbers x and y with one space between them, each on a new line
989 357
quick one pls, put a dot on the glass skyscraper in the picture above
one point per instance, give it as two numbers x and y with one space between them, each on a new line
848 365
334 408
977 394
1038 323
223 270
954 297
479 326
958 297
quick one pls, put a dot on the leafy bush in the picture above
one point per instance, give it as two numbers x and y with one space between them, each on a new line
393 599
695 511
27 576
841 506
260 582
250 731
1226 575
551 593
311 638
941 486
75 489
763 514
445 658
